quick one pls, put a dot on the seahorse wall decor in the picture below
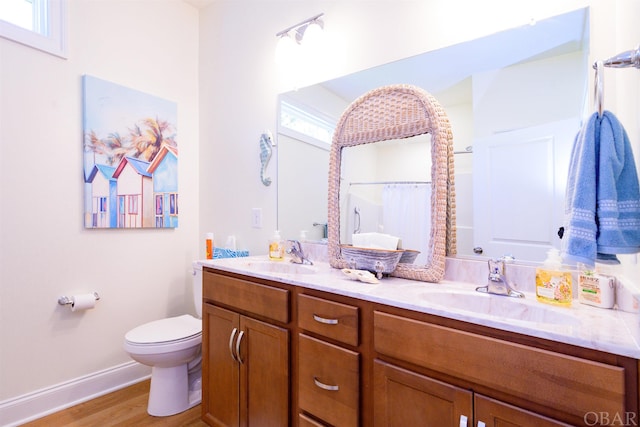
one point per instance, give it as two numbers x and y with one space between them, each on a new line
266 150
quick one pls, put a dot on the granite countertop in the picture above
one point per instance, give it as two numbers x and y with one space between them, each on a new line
611 331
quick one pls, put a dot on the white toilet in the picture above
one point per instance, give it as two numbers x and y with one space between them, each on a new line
172 347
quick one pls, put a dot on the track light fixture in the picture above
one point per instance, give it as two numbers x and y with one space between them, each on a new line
290 46
312 24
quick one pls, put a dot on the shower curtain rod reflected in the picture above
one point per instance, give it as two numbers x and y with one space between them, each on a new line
389 182
467 150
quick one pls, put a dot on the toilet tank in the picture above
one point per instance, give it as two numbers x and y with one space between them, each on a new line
197 288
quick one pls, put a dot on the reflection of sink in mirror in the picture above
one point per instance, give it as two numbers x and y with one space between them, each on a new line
282 267
498 306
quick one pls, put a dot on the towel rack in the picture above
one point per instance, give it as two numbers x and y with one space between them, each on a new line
598 88
629 58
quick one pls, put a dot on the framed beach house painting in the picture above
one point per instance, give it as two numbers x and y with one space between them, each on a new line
130 158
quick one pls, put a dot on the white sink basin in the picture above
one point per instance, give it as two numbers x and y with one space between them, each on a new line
282 267
502 307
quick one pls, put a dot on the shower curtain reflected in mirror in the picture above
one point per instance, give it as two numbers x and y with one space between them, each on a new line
404 209
401 209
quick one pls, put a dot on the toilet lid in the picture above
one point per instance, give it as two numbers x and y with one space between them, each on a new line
165 330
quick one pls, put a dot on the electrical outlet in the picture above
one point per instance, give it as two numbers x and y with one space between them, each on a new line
256 217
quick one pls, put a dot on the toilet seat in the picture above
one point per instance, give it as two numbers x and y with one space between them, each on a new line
171 334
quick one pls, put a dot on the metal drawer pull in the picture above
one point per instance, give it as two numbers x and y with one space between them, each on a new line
325 386
325 320
238 357
481 424
233 335
463 421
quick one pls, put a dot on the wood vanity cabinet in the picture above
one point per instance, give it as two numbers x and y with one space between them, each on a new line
276 355
245 360
328 374
406 398
555 382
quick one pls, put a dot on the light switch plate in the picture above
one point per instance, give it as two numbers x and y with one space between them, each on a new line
256 217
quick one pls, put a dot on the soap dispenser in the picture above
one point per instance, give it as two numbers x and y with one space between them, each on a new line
553 283
276 247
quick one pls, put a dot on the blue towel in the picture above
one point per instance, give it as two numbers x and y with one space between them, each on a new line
602 205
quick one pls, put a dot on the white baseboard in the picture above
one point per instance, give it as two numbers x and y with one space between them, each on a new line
37 404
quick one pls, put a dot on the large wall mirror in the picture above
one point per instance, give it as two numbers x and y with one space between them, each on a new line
514 99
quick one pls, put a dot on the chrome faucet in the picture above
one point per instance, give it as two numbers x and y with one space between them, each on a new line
297 254
498 284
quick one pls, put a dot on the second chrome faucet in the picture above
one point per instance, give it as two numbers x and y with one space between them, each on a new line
497 283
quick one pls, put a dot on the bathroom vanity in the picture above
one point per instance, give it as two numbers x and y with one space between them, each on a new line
287 344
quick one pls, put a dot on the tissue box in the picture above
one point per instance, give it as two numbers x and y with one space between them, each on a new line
375 240
228 253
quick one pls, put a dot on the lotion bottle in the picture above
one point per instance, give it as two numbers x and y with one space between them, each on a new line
209 245
553 283
596 289
276 247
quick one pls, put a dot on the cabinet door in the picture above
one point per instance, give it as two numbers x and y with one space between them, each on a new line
263 353
494 413
404 398
220 373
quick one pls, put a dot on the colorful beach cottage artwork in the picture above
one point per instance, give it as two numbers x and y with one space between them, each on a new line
130 158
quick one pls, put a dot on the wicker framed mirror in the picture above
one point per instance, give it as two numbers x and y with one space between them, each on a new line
390 113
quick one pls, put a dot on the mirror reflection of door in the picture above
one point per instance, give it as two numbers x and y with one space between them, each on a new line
518 192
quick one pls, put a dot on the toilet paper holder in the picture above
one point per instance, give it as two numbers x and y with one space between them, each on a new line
63 300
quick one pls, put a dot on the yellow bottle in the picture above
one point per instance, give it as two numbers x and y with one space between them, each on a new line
276 247
553 284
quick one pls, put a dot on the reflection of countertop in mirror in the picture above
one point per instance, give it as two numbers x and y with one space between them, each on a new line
611 331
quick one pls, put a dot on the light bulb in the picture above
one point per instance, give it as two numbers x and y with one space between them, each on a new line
286 51
313 36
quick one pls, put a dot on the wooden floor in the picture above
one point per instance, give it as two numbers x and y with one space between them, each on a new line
126 407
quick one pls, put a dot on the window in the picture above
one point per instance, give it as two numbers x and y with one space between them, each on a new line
159 205
121 211
133 204
102 204
173 204
305 124
40 24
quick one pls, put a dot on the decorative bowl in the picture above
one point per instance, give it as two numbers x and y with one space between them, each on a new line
378 261
408 256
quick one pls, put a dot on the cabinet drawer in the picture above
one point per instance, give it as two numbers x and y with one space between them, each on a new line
304 421
571 384
328 318
329 381
263 300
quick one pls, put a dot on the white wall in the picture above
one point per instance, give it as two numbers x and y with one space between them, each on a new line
45 252
226 97
494 110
